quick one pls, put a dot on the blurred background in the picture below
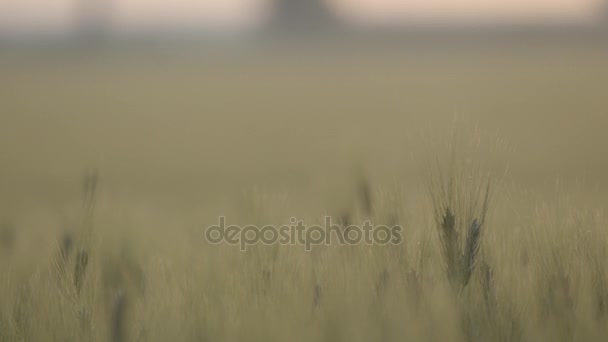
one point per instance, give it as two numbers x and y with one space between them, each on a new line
116 18
188 101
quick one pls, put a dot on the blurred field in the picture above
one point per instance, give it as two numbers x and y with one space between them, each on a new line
264 134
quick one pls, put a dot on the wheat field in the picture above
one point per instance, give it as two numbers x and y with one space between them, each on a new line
492 159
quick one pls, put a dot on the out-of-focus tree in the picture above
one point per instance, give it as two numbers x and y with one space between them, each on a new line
93 19
301 16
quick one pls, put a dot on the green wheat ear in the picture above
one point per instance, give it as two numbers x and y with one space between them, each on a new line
461 203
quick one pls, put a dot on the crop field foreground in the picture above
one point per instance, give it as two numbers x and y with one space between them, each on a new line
488 165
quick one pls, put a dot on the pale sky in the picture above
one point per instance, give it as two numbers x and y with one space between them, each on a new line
129 14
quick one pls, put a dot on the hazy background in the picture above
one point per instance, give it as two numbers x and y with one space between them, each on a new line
307 91
124 15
